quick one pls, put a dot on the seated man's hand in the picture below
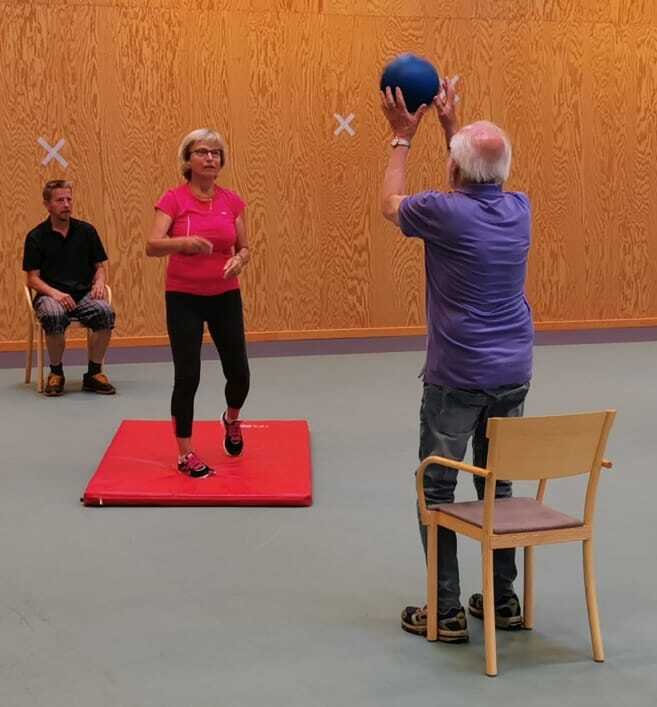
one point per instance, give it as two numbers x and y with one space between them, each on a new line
98 290
65 300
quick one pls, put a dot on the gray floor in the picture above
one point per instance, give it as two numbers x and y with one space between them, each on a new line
299 607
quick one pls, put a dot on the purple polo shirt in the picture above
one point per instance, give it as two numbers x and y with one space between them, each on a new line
480 331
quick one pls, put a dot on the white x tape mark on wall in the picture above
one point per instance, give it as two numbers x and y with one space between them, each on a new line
53 152
344 124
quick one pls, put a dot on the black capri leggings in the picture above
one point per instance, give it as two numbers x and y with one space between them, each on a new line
186 315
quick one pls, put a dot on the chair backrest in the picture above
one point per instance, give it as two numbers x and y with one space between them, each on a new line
533 448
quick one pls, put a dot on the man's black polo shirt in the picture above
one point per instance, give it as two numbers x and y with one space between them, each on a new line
67 264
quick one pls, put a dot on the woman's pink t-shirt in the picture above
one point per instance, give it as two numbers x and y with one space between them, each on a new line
213 220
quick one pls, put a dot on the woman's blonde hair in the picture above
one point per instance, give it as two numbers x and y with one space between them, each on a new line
185 148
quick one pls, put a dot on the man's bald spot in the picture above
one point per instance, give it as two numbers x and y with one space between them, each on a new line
486 139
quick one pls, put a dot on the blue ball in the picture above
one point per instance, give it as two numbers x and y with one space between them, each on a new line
417 78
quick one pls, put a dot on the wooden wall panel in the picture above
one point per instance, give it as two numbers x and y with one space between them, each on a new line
624 11
146 104
577 10
506 9
395 263
345 275
637 226
574 82
638 11
605 169
44 95
556 186
402 8
273 105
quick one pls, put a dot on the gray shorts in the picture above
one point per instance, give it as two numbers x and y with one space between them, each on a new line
95 314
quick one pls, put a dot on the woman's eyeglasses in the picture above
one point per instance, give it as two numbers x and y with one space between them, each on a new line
204 152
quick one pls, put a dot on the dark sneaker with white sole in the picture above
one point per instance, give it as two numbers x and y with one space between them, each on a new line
98 383
191 465
452 625
54 385
508 616
233 440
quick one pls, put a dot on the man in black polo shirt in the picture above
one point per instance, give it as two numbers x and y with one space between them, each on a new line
64 260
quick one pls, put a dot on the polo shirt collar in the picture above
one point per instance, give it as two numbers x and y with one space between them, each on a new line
474 188
48 224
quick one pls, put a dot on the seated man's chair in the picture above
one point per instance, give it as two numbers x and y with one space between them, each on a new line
529 448
34 330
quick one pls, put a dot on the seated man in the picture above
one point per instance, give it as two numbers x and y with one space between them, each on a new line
64 260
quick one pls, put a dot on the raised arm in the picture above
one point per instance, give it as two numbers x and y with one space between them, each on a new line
404 126
445 103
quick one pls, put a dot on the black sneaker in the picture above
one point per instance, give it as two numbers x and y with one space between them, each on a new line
54 385
452 625
508 616
98 383
233 440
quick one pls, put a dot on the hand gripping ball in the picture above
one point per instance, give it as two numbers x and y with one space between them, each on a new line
417 78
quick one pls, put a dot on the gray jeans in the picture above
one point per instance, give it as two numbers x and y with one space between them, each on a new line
449 417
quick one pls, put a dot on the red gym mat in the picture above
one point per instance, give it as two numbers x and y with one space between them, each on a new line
138 468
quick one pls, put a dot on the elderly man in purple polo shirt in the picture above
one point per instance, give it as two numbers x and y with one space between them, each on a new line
480 332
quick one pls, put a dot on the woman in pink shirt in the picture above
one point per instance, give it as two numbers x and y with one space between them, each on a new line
201 227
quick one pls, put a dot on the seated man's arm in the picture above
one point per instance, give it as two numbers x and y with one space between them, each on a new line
32 262
100 280
43 288
99 260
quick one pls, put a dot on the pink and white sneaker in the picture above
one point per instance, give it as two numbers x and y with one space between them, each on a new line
190 465
233 440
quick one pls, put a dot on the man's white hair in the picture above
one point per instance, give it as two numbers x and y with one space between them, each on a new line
471 149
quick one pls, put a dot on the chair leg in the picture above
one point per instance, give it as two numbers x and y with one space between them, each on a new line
28 354
432 583
40 347
592 602
528 589
489 610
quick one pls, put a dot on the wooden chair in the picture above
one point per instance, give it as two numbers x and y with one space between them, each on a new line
35 330
529 448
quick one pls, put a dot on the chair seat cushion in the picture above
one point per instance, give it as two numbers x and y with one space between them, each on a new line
512 515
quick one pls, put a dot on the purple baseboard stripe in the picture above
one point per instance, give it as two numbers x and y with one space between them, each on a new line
596 336
319 347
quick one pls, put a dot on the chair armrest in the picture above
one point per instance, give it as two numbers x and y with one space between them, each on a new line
443 461
108 292
453 464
